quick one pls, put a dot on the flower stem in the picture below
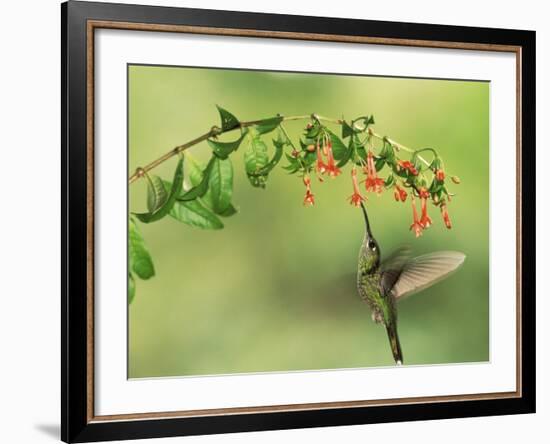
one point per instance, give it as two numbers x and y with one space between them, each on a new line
216 131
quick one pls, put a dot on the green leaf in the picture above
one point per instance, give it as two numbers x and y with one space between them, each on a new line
436 163
140 261
274 160
313 132
379 163
201 188
435 186
255 159
156 194
346 129
224 149
194 170
228 120
390 180
195 214
195 174
339 150
131 288
293 166
229 211
221 184
175 191
350 151
268 125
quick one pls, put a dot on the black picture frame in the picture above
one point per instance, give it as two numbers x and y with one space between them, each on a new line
77 425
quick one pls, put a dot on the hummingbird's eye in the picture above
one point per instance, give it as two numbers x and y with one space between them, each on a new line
372 246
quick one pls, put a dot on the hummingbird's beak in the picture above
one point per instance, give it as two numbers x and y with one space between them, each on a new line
367 224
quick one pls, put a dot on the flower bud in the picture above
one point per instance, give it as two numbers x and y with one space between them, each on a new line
455 179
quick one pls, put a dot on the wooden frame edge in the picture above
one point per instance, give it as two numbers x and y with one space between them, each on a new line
105 24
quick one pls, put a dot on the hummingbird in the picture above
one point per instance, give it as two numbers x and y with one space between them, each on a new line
382 284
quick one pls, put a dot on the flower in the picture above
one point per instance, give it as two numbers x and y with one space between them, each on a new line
416 226
445 215
332 169
356 198
373 183
439 175
425 220
309 198
399 193
407 165
321 165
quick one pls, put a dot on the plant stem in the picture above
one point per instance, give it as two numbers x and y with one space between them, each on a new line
216 131
398 145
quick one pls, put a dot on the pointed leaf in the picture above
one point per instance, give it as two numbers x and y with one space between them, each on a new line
195 214
255 159
195 175
175 191
338 148
156 194
229 211
194 171
350 152
228 120
140 261
268 125
221 184
346 129
202 187
223 149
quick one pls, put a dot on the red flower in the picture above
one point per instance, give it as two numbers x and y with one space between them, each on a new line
445 215
309 198
425 220
332 169
405 164
321 165
400 194
356 198
439 175
416 226
373 183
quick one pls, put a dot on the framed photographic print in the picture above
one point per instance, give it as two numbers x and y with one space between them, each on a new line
276 221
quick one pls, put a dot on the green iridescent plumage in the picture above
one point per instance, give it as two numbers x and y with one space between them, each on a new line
382 283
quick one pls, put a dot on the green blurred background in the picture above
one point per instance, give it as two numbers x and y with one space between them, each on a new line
275 289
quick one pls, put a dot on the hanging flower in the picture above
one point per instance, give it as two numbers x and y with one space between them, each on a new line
321 165
407 165
445 215
439 175
356 198
309 198
332 169
399 193
416 226
373 183
425 220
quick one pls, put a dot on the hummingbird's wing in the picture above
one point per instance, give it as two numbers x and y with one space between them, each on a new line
426 270
392 267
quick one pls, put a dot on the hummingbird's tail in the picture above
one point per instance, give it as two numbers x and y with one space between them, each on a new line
394 343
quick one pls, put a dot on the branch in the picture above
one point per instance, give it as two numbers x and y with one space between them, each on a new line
216 131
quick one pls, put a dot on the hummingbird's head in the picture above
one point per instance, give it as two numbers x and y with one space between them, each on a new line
370 244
